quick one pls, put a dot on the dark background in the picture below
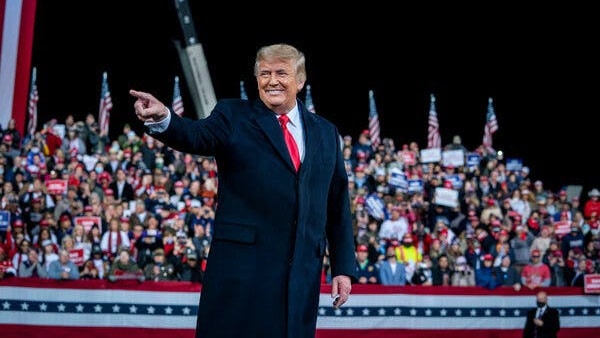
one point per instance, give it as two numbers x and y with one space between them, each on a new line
539 66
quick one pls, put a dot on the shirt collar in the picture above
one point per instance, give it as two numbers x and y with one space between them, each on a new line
294 116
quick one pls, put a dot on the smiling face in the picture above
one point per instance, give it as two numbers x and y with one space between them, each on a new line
280 74
278 85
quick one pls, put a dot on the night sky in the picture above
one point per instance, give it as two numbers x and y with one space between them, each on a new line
539 66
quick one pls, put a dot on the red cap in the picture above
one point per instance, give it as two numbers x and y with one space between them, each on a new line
488 257
64 218
18 223
362 248
109 192
535 253
179 184
88 208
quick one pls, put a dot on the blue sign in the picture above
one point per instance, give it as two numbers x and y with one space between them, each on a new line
514 164
473 159
4 220
415 185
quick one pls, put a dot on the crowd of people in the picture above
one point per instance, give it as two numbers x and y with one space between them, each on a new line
79 205
502 228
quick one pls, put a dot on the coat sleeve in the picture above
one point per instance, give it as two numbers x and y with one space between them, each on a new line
201 136
339 222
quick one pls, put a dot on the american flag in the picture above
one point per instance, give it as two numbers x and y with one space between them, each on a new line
434 140
32 107
373 122
177 104
491 125
243 94
105 106
308 101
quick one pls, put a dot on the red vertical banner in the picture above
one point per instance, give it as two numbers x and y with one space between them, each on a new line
17 19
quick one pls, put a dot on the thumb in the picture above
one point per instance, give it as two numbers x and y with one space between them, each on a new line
334 289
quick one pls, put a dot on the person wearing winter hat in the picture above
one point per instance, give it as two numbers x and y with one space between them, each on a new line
463 273
592 205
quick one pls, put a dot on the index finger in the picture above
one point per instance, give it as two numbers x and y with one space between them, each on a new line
140 95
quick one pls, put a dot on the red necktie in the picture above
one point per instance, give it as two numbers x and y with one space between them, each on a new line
289 141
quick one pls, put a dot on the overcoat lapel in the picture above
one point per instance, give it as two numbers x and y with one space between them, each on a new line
270 126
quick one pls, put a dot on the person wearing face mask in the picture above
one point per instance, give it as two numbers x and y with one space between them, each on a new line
409 255
542 321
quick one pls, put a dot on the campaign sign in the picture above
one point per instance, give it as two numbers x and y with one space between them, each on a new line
514 164
456 181
473 160
431 155
415 185
4 220
56 187
454 158
88 221
398 179
446 197
562 228
76 256
591 283
408 157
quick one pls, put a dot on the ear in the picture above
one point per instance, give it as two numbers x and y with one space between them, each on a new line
299 87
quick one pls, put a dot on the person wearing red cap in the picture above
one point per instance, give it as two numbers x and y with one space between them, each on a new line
366 271
7 270
408 254
486 275
65 227
491 208
362 151
13 133
536 274
559 272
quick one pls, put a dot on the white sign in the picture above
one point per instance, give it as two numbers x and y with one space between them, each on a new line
431 155
453 157
446 197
